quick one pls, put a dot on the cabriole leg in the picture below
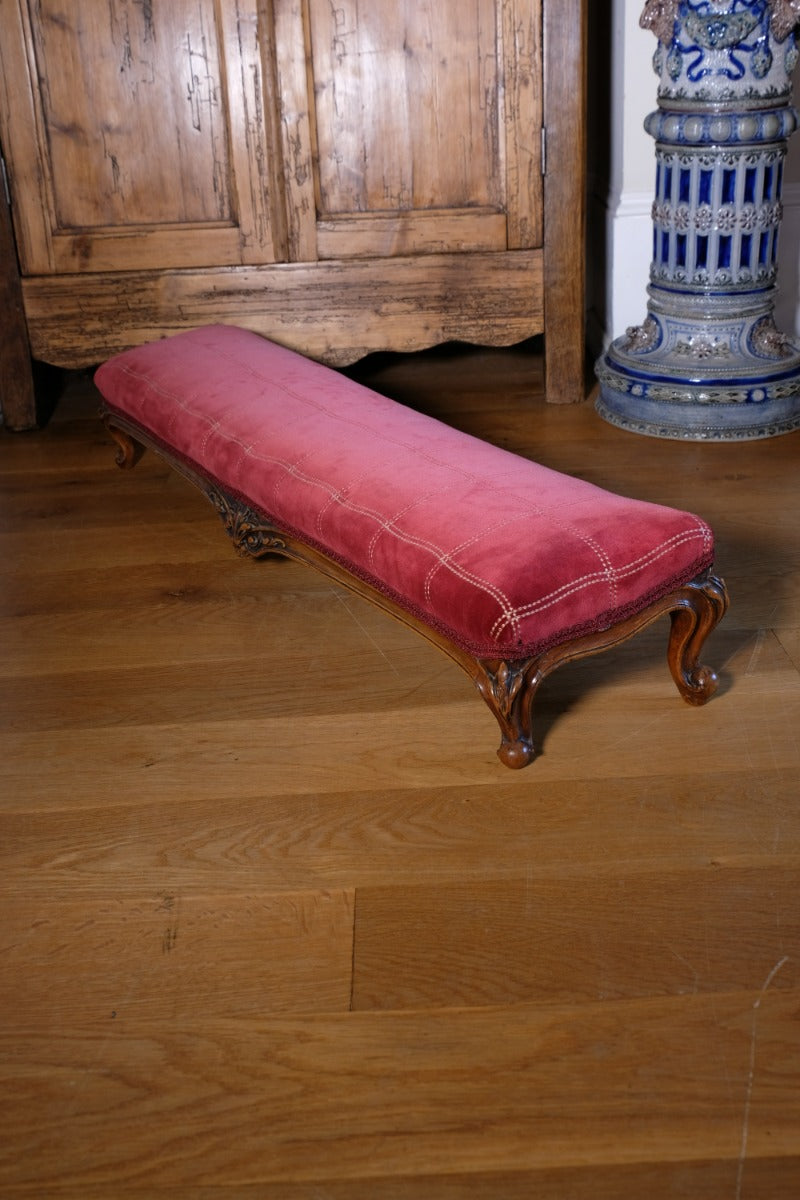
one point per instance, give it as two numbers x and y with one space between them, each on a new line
700 606
129 451
509 689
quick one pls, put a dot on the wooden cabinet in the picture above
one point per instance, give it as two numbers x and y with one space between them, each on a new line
341 178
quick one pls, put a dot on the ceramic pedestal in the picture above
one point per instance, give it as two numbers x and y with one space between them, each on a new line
708 363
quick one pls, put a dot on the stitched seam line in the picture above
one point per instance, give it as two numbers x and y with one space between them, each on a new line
586 581
467 576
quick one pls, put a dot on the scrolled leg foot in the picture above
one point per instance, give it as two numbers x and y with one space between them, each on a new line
700 606
516 755
129 451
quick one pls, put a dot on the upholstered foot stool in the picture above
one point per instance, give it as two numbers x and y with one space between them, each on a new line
510 568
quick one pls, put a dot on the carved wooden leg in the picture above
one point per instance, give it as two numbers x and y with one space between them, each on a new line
699 606
509 689
129 451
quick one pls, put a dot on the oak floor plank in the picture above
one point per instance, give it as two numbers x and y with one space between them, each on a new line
172 954
790 641
187 626
167 541
651 730
436 1093
31 503
568 941
250 688
406 837
45 590
766 1177
167 649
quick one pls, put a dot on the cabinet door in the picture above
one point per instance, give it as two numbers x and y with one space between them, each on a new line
242 132
137 135
422 132
257 162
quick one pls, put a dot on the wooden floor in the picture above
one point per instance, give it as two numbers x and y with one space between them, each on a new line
275 924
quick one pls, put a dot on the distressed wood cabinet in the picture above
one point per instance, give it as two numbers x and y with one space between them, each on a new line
341 178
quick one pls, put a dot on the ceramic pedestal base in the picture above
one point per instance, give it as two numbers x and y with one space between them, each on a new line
717 371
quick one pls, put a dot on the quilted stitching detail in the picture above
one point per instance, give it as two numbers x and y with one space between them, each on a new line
585 581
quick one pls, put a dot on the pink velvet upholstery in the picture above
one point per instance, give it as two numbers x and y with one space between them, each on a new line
504 556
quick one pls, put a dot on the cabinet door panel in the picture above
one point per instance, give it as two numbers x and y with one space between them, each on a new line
398 90
133 153
106 102
426 108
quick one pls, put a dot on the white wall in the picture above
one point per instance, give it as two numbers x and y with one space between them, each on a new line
621 193
787 308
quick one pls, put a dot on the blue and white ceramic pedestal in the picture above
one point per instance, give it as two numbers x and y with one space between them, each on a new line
708 362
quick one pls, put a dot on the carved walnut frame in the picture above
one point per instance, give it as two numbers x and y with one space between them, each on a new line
508 686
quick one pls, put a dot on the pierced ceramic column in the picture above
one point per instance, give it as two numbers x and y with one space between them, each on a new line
708 362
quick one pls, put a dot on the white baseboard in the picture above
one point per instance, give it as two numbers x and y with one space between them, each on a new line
787 306
625 223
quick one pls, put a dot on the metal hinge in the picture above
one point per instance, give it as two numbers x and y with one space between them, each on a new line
4 173
544 150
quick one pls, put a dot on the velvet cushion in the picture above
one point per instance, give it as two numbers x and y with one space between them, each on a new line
504 556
